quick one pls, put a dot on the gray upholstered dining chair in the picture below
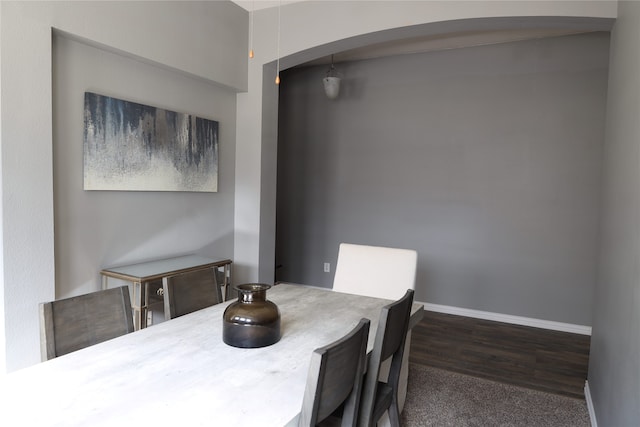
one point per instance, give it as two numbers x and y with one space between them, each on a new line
187 292
379 397
74 323
378 272
335 380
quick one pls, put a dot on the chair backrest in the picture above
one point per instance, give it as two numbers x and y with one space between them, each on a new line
70 324
188 292
375 271
389 342
335 377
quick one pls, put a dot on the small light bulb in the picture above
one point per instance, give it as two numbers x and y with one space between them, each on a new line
278 79
251 53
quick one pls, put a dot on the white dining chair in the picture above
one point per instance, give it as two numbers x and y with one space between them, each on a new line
379 272
375 271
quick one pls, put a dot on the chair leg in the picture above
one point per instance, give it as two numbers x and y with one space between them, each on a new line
404 373
394 415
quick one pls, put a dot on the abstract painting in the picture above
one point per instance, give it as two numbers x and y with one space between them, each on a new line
135 147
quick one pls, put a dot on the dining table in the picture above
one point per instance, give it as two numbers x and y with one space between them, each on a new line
181 373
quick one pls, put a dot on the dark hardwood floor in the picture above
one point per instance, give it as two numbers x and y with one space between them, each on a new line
536 358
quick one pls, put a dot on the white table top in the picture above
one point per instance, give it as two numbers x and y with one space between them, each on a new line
180 373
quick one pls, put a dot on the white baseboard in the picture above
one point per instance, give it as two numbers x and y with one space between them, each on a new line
507 318
592 411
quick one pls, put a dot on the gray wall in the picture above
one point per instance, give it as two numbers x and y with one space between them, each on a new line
96 229
486 160
614 362
210 45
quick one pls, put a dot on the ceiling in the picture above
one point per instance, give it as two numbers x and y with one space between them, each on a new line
441 42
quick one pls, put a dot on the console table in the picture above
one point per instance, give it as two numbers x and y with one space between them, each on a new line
142 274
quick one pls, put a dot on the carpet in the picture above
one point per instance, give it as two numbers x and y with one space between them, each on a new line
436 397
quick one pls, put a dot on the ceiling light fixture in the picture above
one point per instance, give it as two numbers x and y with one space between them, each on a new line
278 47
251 31
331 82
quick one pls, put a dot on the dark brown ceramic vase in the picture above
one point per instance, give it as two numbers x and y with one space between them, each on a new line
252 321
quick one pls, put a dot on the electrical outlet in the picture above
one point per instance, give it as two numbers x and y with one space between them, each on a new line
327 267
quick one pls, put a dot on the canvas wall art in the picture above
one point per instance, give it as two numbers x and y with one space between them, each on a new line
135 147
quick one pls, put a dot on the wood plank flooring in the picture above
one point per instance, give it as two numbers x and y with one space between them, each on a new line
536 358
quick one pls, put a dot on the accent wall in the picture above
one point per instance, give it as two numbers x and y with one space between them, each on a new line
486 160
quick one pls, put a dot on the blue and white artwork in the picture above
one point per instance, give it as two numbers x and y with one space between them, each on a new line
134 147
